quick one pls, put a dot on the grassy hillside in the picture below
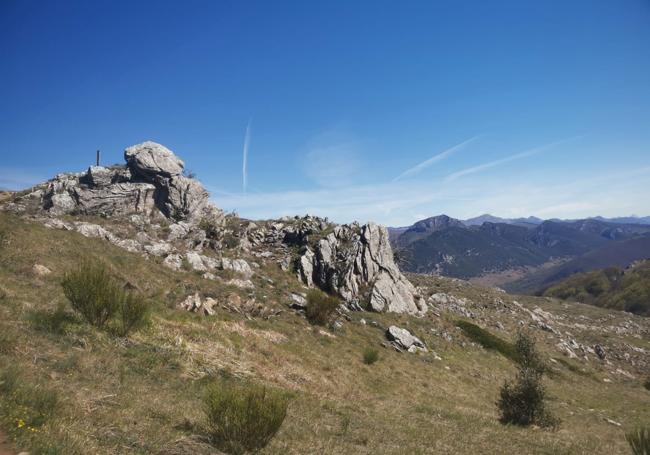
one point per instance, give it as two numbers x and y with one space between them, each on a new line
621 289
69 388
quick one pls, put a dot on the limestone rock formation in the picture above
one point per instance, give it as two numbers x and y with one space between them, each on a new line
356 263
150 184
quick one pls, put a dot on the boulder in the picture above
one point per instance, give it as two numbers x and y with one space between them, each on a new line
403 339
150 160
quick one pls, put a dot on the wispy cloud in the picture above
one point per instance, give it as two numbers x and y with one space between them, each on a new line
396 204
434 159
247 140
517 156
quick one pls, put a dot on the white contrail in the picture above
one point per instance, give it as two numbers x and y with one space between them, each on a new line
434 159
247 140
524 154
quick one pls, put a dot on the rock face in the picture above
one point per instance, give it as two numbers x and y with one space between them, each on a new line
151 183
356 263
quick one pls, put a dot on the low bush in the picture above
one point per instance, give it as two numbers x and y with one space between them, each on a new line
639 441
98 298
523 402
320 307
133 313
488 340
370 356
93 293
243 417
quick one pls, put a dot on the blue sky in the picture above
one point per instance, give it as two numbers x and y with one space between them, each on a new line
377 110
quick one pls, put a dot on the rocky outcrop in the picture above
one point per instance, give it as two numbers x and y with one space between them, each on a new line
151 183
356 263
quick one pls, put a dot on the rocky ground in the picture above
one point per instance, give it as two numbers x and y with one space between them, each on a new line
230 297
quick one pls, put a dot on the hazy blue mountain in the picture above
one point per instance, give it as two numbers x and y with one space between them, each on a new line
450 247
479 220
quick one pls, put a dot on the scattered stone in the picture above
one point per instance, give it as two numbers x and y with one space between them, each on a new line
158 249
242 284
41 270
613 422
174 261
194 304
298 302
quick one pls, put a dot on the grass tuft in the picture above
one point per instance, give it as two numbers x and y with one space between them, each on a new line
370 356
639 441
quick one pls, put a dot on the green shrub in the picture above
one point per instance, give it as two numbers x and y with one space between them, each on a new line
133 313
370 356
320 307
93 293
243 418
523 402
639 441
488 340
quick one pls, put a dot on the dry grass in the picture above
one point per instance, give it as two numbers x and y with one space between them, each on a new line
144 395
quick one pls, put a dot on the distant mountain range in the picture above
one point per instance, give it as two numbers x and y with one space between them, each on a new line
541 251
533 220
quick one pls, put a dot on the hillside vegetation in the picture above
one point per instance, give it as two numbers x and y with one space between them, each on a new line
621 289
69 387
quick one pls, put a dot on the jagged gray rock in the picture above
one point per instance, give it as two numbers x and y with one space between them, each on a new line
183 198
356 262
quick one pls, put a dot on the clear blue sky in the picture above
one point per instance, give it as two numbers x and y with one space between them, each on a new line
355 107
